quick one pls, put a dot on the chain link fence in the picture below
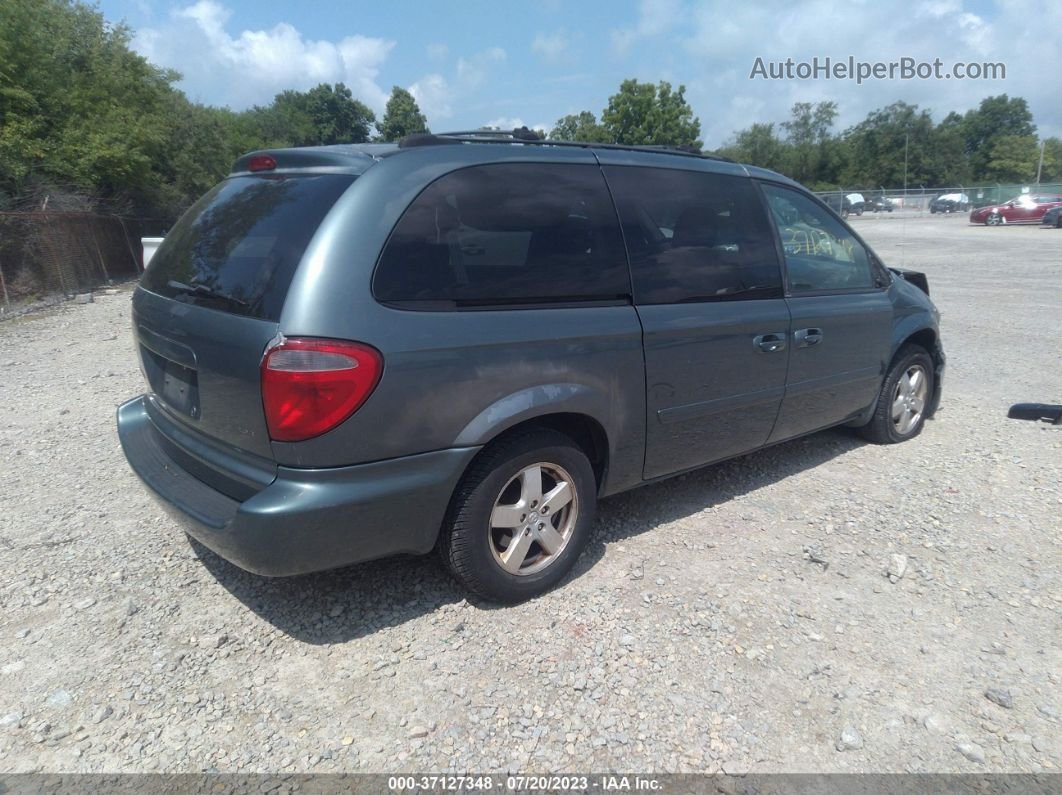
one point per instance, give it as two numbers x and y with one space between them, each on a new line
917 198
65 253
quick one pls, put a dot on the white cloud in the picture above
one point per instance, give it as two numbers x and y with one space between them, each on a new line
251 66
436 95
505 122
473 71
513 123
655 17
935 9
551 47
433 95
725 43
975 33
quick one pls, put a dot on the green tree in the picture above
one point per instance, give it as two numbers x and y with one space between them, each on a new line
580 127
880 144
78 106
995 118
401 117
758 146
1052 169
323 115
948 162
202 143
644 114
1012 158
809 139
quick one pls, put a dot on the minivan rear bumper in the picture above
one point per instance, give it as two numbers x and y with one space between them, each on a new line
306 520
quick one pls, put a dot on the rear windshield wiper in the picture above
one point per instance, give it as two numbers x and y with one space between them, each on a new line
206 292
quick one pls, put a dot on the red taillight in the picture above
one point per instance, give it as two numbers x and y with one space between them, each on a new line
309 386
261 163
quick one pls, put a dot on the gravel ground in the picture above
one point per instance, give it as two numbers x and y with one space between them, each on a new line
739 618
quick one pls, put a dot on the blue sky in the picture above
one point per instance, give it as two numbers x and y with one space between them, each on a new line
472 63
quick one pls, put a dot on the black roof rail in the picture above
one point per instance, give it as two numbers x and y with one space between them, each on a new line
522 135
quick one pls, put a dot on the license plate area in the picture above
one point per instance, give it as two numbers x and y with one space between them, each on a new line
177 385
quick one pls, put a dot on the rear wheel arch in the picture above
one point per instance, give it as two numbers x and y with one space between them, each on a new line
483 532
586 433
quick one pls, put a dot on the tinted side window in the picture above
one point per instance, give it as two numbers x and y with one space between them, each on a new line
694 236
820 254
508 233
237 248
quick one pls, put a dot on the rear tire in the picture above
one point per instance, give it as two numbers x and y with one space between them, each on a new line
904 398
505 500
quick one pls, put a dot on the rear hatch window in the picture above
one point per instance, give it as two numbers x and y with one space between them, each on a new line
237 248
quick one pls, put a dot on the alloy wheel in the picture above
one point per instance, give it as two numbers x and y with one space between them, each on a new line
909 399
533 518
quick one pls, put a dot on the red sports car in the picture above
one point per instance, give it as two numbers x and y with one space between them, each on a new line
1024 209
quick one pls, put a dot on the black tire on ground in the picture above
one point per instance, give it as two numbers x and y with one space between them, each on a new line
883 427
467 541
993 219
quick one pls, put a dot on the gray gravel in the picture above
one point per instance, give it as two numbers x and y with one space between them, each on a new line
825 605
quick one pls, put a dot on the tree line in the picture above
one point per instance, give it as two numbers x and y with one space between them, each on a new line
87 123
991 144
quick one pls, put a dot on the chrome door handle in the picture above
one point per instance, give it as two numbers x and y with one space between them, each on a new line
770 343
807 337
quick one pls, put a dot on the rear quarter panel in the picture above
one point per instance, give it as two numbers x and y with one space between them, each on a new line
457 379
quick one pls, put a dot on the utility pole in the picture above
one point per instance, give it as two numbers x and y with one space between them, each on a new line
1040 168
905 137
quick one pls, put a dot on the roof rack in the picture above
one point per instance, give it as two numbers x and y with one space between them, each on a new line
522 135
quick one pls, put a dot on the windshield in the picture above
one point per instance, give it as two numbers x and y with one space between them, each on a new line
237 248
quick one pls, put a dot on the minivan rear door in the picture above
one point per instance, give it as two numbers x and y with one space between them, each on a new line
210 301
715 325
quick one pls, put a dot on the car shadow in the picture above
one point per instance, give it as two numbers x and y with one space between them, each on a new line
640 510
345 604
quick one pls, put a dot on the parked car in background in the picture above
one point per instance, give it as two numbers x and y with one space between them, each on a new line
1053 217
836 202
1024 209
460 343
842 204
950 203
880 204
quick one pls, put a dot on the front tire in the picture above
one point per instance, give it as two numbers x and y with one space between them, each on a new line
904 398
520 517
994 219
